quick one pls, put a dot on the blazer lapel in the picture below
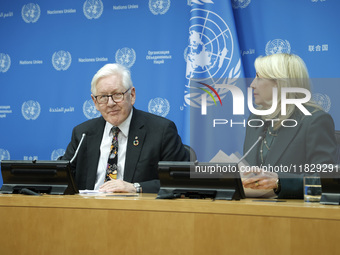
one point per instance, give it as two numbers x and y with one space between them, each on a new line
284 138
135 144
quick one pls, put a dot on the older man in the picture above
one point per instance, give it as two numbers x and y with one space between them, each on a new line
122 148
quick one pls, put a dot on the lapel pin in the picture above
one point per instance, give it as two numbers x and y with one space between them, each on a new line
136 142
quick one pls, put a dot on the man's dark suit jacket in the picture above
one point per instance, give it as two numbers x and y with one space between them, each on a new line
158 141
312 141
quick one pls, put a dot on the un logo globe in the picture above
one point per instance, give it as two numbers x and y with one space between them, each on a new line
210 45
61 60
93 9
159 106
322 100
30 13
30 110
126 57
4 154
89 110
277 46
57 153
209 54
5 62
159 7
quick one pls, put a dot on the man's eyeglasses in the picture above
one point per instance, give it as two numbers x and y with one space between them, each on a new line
117 98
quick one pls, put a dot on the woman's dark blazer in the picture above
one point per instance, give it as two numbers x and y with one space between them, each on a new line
311 141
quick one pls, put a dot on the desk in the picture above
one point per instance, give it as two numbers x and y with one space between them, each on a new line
140 224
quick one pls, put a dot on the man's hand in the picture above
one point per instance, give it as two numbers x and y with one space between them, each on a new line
117 186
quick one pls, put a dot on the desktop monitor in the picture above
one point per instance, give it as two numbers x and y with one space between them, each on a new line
179 179
330 188
50 177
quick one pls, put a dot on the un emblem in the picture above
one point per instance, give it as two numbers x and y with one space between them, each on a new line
4 154
126 57
57 153
30 13
209 55
323 100
240 3
277 46
210 47
61 60
159 106
5 62
30 110
93 9
89 110
159 6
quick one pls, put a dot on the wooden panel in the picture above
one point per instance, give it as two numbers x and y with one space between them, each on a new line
85 231
143 225
315 236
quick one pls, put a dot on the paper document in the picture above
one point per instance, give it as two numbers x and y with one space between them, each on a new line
87 191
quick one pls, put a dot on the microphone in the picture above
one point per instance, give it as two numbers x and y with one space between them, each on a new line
76 153
27 191
261 137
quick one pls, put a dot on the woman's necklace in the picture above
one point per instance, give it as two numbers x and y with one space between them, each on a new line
266 144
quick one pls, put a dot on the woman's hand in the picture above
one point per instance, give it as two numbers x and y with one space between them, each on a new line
259 179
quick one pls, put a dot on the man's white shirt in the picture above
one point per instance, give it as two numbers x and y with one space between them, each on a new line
105 150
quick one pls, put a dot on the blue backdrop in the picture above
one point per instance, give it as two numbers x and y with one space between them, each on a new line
50 50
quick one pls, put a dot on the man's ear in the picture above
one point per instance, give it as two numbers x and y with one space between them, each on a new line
95 102
133 95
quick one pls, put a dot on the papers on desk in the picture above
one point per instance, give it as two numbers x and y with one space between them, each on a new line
235 157
93 193
90 192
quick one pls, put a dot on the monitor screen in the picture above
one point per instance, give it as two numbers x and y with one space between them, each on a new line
181 179
50 177
330 188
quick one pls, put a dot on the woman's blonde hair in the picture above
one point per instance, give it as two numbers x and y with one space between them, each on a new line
287 70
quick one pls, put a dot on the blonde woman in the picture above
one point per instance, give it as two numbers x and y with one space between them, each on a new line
294 142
